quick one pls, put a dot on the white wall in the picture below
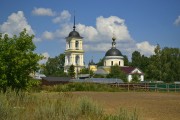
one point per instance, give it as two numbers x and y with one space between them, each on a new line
115 59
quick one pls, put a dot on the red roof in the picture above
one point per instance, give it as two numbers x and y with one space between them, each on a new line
128 69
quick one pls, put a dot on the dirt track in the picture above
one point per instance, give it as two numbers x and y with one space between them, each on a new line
150 106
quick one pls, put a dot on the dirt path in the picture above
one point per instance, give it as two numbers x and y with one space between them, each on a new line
150 106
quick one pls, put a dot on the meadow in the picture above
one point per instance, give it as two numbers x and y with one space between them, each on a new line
55 106
88 101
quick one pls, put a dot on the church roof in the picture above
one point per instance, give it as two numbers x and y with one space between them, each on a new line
129 70
92 62
74 34
113 52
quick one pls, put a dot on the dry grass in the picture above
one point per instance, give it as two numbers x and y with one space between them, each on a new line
150 105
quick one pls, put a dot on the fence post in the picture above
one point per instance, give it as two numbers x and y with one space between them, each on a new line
128 86
167 87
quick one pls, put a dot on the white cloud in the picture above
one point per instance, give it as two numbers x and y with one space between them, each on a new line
88 32
43 12
48 35
37 39
99 38
15 24
107 26
45 58
103 32
145 48
177 21
64 16
101 47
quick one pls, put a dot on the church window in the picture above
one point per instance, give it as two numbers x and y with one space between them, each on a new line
119 63
111 63
77 45
77 60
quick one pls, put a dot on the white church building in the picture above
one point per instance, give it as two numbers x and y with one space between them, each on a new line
74 55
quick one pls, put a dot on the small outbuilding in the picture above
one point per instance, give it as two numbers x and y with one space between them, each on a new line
130 71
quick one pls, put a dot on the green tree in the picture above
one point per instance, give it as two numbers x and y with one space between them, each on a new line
100 63
55 66
126 61
135 78
170 61
86 71
136 59
17 60
155 65
71 71
116 72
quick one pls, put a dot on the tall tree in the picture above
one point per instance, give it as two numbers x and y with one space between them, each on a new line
55 66
126 61
17 60
116 72
155 65
101 62
71 71
170 64
136 59
86 71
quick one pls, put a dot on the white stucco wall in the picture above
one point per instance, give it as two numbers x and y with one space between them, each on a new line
71 53
115 59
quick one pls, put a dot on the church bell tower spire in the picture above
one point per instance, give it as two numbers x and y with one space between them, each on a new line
74 27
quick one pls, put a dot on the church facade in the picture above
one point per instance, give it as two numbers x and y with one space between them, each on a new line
114 57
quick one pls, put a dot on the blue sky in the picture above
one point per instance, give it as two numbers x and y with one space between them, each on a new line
137 24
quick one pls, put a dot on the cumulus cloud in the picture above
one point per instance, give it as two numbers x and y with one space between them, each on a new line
88 32
104 30
177 21
145 48
47 35
98 38
64 16
15 24
106 27
43 12
45 58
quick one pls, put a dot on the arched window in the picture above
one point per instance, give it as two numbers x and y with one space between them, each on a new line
111 63
119 63
105 63
77 60
77 45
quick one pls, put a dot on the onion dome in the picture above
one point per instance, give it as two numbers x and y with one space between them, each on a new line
74 33
113 52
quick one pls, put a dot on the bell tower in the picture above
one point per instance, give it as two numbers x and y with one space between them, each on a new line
74 53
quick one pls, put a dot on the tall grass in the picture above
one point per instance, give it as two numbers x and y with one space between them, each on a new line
60 106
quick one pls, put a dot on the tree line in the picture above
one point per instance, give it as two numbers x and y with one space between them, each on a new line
18 60
163 65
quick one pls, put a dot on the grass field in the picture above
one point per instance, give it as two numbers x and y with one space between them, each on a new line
149 105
